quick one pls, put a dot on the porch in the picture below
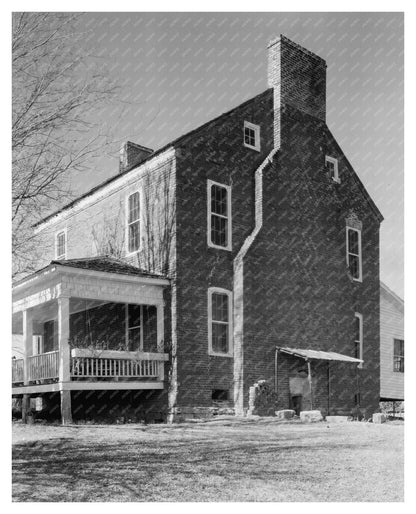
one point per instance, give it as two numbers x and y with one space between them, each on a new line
88 324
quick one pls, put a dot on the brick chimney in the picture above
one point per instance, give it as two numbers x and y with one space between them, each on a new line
132 154
298 78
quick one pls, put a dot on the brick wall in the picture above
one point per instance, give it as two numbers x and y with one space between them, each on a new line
297 290
216 152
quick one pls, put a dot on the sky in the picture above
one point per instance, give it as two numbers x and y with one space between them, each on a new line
178 70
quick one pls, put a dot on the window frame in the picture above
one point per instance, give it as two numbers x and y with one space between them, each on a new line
211 351
334 161
128 327
140 220
361 341
57 234
256 129
211 183
395 355
360 254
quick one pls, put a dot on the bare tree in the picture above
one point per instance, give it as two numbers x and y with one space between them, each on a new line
56 87
109 238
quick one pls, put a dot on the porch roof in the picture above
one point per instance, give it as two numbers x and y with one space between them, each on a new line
99 278
318 355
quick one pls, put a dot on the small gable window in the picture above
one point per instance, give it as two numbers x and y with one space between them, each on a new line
331 164
60 245
251 136
133 222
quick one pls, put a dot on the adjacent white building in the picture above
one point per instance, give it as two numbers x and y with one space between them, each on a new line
391 345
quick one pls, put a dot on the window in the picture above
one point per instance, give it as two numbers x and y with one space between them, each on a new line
60 245
252 136
219 321
134 327
398 356
220 395
354 253
358 337
219 215
331 164
133 222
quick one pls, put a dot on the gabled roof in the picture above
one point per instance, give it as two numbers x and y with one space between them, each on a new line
391 293
156 153
361 186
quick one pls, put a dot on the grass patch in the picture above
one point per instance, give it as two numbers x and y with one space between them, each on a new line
249 461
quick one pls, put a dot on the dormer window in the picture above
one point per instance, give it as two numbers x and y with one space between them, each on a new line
331 164
60 245
252 136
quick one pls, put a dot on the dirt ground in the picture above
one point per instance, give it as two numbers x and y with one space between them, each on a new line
223 460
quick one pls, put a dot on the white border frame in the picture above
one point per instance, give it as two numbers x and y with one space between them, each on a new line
360 253
256 129
220 290
211 183
334 161
126 219
61 257
361 356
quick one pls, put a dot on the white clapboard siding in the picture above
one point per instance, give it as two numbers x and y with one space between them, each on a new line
391 327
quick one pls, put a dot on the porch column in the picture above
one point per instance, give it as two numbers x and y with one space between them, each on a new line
160 338
64 357
28 349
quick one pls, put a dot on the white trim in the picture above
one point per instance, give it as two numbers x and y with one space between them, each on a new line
229 294
360 317
334 161
360 256
209 213
140 220
256 129
119 183
57 234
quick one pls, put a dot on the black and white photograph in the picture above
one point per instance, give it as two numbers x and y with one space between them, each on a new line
207 255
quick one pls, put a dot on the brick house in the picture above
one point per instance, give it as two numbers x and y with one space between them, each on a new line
245 250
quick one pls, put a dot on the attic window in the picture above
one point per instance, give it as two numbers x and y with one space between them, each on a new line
252 136
331 164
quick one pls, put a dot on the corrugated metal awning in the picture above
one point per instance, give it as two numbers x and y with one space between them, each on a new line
318 355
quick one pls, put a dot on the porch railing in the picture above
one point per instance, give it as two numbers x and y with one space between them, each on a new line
43 366
123 368
17 371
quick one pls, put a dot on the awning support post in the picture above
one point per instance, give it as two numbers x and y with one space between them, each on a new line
310 382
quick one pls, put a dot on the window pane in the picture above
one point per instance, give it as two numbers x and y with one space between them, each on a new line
220 337
61 244
134 207
219 200
134 236
354 265
357 329
134 339
357 350
220 307
331 168
134 315
353 242
219 231
249 136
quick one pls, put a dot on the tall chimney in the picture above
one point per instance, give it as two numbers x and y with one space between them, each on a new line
298 78
132 154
